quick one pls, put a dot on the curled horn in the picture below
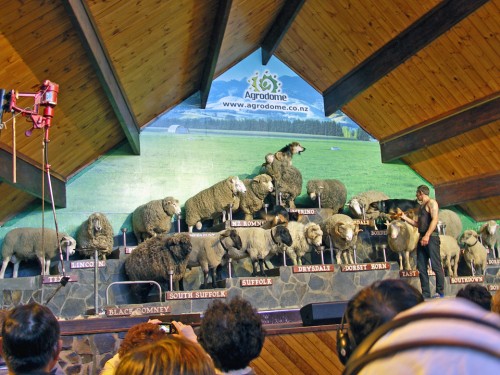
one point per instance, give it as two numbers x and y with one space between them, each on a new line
336 230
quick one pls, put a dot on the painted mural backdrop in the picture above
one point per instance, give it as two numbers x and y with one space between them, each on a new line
252 110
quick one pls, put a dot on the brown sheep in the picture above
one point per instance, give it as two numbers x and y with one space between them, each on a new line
95 233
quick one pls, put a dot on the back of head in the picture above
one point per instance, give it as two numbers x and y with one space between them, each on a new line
30 338
476 293
171 356
231 333
140 334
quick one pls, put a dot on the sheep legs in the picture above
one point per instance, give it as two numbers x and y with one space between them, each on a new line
261 266
5 263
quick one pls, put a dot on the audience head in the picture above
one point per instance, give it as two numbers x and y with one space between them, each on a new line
371 307
476 293
231 333
140 334
174 355
30 339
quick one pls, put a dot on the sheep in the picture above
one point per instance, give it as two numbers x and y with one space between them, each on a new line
362 201
154 258
341 232
402 238
488 235
449 249
95 233
210 202
332 193
304 239
154 217
287 179
452 222
21 244
258 243
257 190
208 252
475 253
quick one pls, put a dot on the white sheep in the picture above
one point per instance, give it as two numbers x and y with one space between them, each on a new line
208 252
488 235
258 188
475 253
332 193
95 233
209 203
449 250
258 243
305 238
452 222
362 201
341 233
23 244
402 238
154 218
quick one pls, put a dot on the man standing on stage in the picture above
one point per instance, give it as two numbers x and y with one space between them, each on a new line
428 243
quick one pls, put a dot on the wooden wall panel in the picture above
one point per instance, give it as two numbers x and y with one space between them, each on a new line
12 200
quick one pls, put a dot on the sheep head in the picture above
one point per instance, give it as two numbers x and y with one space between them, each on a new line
394 228
282 235
355 206
233 235
262 183
95 224
490 227
469 237
68 244
313 235
345 231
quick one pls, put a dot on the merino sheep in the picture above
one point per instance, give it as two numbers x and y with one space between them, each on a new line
212 201
154 218
449 250
341 232
332 193
475 253
362 201
452 222
402 238
154 258
258 243
258 188
95 233
488 235
208 252
305 238
23 244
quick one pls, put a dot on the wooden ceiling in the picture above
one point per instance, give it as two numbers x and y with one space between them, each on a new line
422 77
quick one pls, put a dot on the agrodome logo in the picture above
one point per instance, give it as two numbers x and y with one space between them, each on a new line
265 87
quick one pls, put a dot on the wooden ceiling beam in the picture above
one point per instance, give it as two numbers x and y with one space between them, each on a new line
421 33
28 179
92 42
466 190
428 134
279 28
219 29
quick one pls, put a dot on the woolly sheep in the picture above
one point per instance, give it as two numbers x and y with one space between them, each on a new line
304 239
449 250
210 202
341 233
362 201
452 222
208 252
152 260
475 253
258 243
257 189
488 235
21 244
332 193
402 238
95 233
287 180
154 217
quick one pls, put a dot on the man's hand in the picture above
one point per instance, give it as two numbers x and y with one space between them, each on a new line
425 240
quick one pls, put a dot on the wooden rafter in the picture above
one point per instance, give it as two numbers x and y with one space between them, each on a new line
28 179
279 28
428 134
470 189
92 42
421 33
215 44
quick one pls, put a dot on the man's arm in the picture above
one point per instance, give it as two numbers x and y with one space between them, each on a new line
408 220
433 210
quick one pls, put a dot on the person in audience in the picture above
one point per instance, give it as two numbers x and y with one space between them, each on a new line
174 355
476 293
495 303
441 336
140 334
371 307
30 342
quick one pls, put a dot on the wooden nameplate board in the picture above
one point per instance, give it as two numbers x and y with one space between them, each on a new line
375 233
313 268
196 294
303 211
466 279
57 278
255 281
129 249
89 263
246 223
408 273
127 311
365 267
493 287
494 262
367 222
